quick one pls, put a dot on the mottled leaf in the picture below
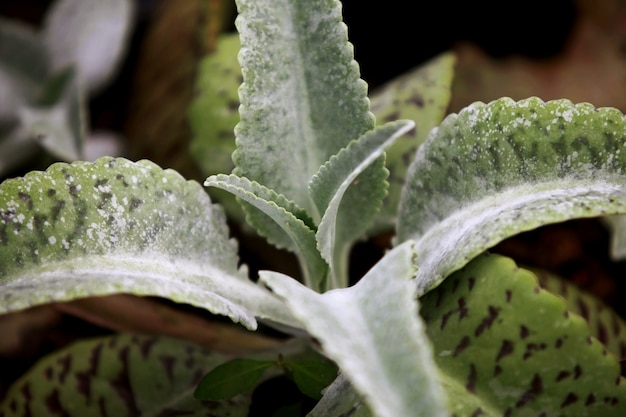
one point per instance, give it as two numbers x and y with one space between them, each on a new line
121 375
214 112
213 115
421 95
604 324
281 221
509 348
238 376
348 191
114 226
495 170
373 333
90 35
297 114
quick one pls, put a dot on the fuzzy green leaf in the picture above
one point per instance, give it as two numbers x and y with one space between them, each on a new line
90 35
281 221
238 376
121 375
421 95
507 347
348 190
213 114
497 169
114 226
373 333
302 99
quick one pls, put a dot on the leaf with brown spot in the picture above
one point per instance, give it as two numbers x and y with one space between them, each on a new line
604 323
513 372
117 376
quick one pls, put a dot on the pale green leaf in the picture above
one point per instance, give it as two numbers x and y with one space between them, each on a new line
23 67
120 375
302 99
421 95
373 332
495 170
509 348
348 190
91 35
340 399
114 226
281 221
57 121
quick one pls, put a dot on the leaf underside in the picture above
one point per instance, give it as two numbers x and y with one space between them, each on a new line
507 347
378 342
497 169
114 226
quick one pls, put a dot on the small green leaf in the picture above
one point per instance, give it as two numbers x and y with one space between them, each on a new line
120 375
90 35
238 376
507 347
302 99
498 169
374 334
421 95
281 221
312 376
348 191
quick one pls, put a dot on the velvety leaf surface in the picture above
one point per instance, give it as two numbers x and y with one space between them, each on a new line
114 226
348 191
340 399
421 95
302 99
280 220
90 35
121 375
498 169
604 324
373 333
509 348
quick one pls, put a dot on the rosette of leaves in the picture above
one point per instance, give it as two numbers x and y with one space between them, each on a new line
437 327
48 73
